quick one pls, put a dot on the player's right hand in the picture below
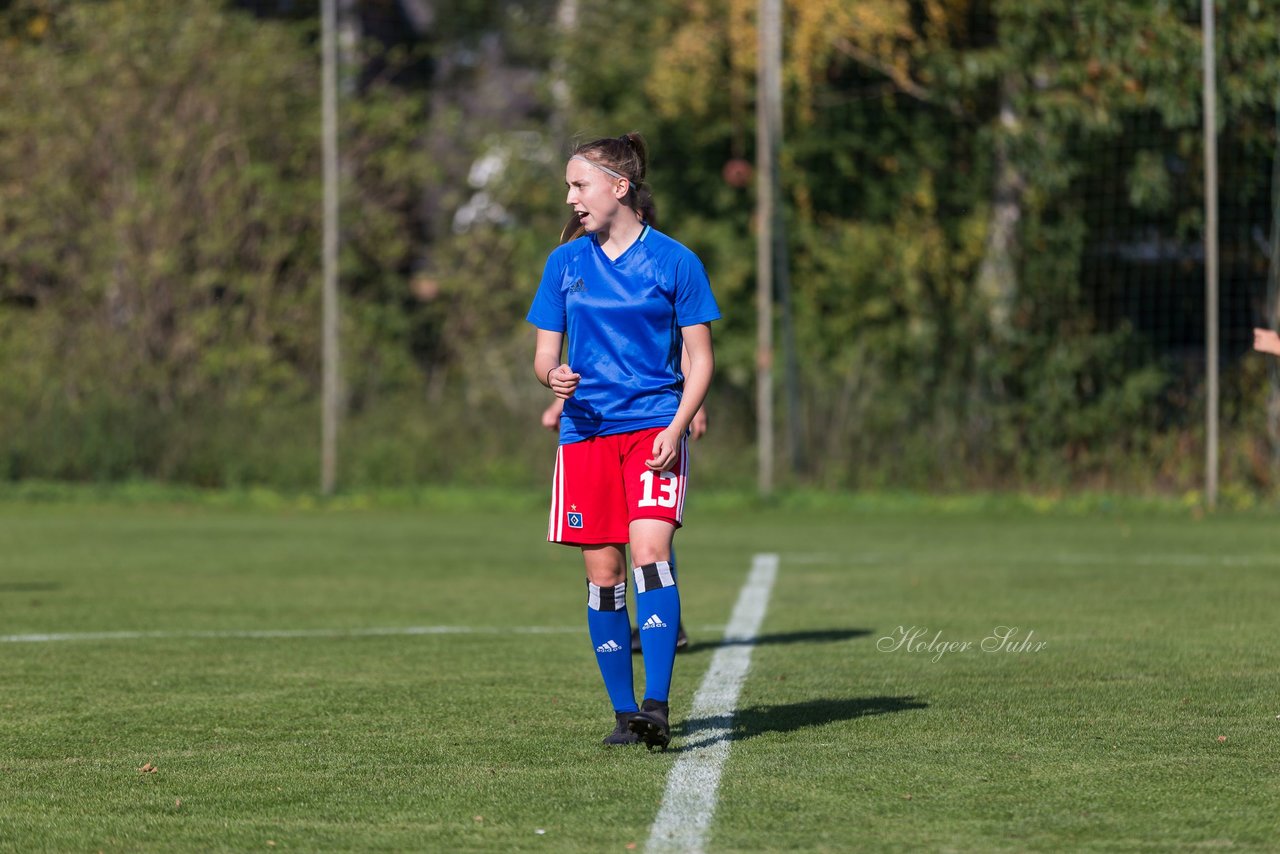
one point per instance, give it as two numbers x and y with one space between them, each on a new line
563 381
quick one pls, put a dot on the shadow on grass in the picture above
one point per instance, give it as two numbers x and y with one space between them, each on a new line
808 636
789 717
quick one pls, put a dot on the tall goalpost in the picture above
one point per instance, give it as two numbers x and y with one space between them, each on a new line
768 121
329 287
1210 256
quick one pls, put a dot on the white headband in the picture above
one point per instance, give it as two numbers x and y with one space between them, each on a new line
605 169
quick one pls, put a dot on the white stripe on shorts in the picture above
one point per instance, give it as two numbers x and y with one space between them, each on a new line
684 478
555 523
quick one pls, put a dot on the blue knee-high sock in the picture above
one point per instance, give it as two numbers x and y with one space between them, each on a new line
658 614
610 630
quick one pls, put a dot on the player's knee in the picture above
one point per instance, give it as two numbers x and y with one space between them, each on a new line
607 577
646 553
606 565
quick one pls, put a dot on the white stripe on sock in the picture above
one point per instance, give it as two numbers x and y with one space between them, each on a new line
665 576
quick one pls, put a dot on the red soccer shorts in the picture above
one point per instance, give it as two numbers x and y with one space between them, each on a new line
601 485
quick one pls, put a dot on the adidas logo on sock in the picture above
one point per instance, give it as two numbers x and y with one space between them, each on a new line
654 622
608 646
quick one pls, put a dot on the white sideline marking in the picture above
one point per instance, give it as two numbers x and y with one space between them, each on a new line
690 800
253 634
1085 559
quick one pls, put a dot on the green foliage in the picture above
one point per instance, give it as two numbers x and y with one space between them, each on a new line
160 245
160 218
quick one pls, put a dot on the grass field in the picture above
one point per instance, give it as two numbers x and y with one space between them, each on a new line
1147 720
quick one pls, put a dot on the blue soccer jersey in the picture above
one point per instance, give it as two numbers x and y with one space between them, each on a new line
622 320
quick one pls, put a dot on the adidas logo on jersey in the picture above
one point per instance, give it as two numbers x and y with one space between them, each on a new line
654 622
608 646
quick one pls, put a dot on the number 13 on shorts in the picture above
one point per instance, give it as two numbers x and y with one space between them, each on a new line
655 494
667 492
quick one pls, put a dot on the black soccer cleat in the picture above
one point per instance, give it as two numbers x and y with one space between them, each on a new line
650 724
621 734
682 639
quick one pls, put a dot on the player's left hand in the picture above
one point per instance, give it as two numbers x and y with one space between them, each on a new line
666 445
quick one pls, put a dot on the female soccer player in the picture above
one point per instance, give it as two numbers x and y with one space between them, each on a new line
627 298
697 429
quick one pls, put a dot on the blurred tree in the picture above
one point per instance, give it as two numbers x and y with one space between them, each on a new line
934 153
159 255
962 176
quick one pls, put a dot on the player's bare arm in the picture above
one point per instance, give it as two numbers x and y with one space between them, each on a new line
1266 341
560 378
698 426
697 380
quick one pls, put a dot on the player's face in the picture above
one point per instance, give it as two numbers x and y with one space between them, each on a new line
593 195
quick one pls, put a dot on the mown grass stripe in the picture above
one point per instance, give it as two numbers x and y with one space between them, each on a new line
690 799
